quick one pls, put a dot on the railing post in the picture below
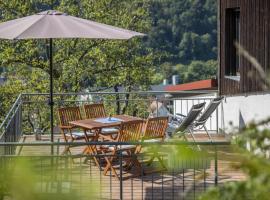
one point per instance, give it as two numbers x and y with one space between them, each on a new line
216 167
156 106
217 120
121 175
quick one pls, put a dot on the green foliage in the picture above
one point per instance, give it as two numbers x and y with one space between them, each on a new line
79 64
184 33
8 95
196 70
253 146
185 29
21 178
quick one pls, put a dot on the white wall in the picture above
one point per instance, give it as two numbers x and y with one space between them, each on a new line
250 108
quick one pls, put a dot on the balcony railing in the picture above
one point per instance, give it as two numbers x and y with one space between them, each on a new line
186 177
30 113
11 127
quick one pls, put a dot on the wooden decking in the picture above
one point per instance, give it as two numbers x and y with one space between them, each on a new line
163 185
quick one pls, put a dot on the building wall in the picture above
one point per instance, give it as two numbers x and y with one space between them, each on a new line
254 37
240 110
233 113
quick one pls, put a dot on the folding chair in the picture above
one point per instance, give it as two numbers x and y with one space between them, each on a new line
200 122
97 110
155 131
187 124
129 132
69 132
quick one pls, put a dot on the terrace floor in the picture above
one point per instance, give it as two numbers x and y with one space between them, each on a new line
183 184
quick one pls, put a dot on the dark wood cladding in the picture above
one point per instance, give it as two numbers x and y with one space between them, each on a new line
254 37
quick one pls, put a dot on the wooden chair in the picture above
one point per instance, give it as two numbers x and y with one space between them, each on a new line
155 131
69 132
97 110
129 132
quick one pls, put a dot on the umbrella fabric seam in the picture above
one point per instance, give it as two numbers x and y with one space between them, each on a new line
18 37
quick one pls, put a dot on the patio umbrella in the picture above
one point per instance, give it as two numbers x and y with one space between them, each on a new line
54 24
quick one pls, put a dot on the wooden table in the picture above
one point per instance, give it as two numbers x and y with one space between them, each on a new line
91 124
96 127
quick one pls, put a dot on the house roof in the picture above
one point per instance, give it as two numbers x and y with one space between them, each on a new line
158 87
209 84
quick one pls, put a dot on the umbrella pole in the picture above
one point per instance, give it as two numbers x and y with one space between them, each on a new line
51 88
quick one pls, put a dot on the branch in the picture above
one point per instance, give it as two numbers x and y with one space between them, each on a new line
254 62
28 63
6 7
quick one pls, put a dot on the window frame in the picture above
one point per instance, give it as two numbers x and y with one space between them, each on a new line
232 35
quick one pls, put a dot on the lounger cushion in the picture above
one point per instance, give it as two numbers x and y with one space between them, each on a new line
105 131
152 140
119 147
123 147
79 134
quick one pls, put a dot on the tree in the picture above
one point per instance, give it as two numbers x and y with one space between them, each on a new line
80 63
185 29
196 70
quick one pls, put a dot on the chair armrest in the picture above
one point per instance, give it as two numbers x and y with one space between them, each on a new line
66 127
179 114
108 138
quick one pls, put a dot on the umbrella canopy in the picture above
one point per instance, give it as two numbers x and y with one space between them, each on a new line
54 24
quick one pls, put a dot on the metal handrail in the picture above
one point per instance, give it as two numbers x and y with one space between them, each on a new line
135 92
216 143
11 112
25 98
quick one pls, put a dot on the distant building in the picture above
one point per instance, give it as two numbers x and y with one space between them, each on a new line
248 23
202 87
184 96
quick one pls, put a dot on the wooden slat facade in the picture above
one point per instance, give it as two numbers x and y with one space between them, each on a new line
254 37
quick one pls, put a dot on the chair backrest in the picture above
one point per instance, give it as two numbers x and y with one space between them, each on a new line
68 114
95 110
208 111
130 131
191 116
155 128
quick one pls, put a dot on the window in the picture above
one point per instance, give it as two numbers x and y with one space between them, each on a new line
232 34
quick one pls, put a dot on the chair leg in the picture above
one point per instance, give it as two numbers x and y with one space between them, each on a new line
149 162
161 162
92 152
138 165
209 136
128 161
66 151
110 166
67 147
132 161
193 138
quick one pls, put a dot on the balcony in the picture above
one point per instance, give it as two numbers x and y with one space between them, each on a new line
25 135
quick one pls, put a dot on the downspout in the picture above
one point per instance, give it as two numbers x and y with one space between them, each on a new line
219 45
